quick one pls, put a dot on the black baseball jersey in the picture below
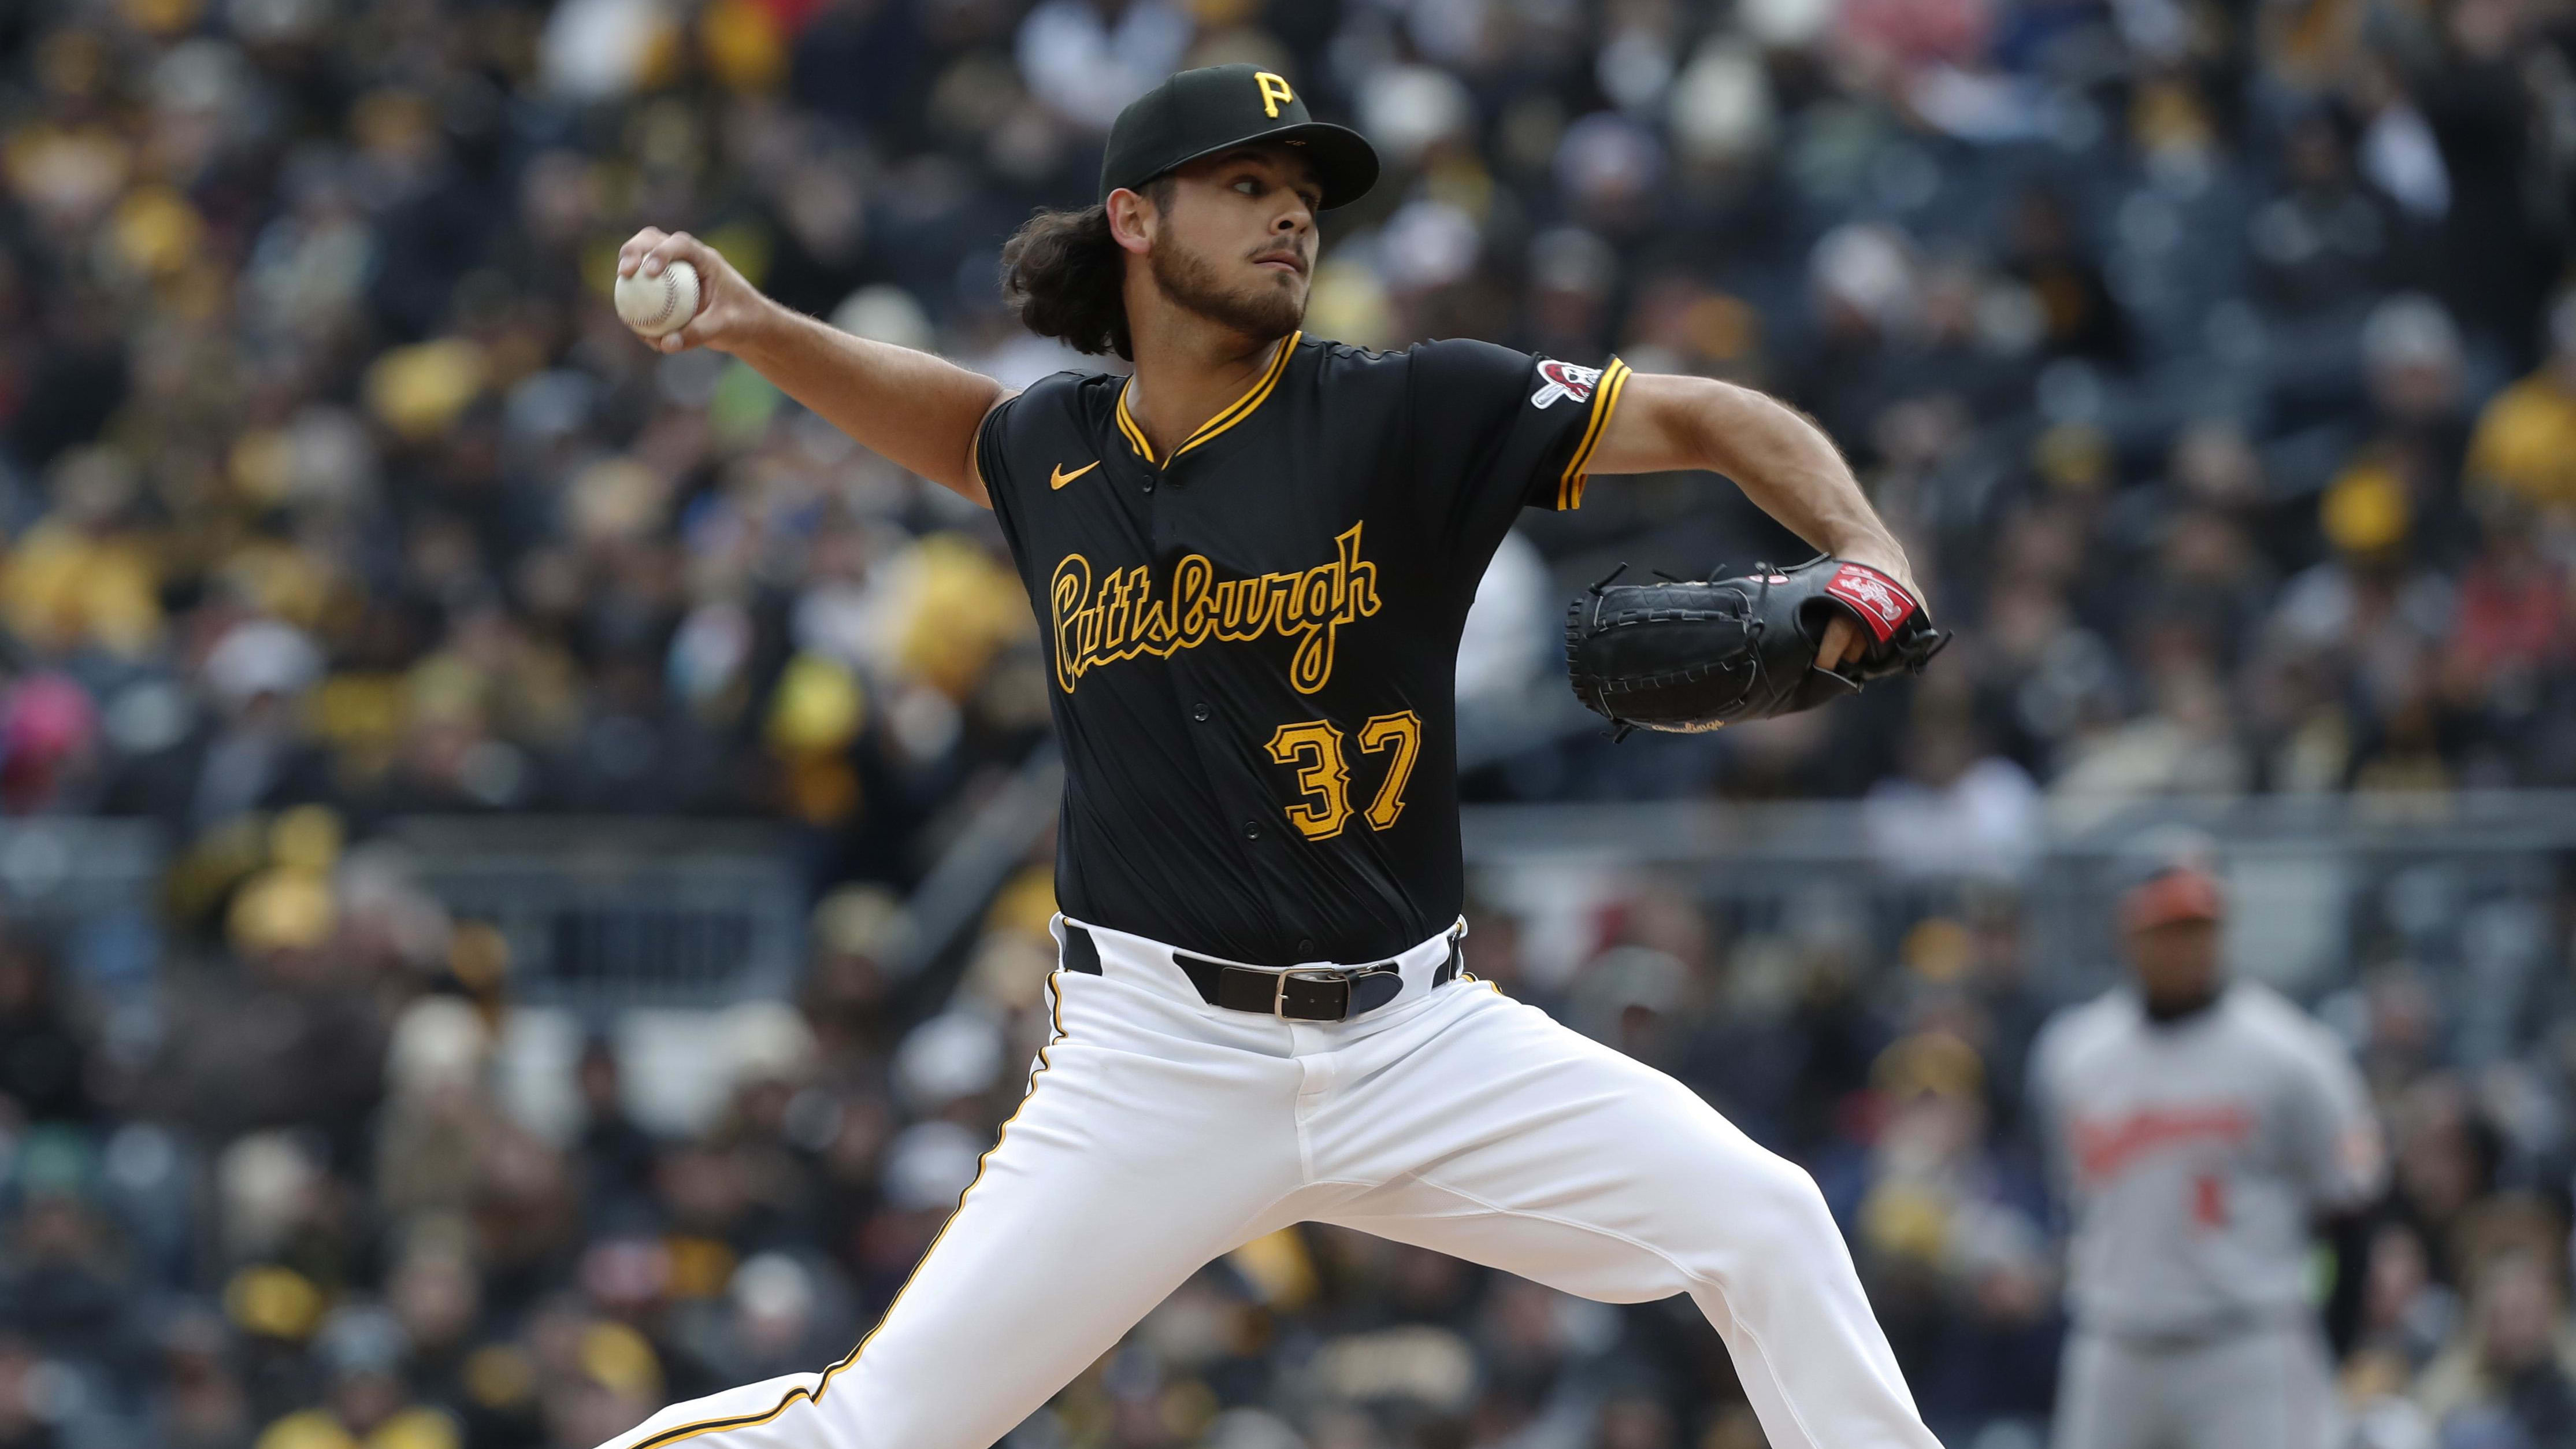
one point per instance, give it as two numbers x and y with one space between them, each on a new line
1254 641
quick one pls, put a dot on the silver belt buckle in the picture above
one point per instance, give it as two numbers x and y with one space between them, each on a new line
1279 994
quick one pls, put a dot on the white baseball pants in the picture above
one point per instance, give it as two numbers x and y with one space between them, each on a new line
2263 1387
1160 1132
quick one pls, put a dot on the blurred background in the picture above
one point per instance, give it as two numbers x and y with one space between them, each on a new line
524 871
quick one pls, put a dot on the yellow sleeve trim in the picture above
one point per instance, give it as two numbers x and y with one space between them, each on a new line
1605 400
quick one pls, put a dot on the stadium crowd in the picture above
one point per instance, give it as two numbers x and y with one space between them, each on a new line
2209 354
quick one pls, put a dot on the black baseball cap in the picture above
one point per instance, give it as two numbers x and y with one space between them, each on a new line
1201 112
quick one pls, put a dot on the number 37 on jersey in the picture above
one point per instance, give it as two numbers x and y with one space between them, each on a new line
1316 750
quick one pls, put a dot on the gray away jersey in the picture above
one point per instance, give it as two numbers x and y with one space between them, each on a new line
2194 1156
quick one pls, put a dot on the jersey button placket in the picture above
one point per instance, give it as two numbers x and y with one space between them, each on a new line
1252 830
1200 712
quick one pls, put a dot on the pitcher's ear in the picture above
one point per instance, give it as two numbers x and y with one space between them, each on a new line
1131 220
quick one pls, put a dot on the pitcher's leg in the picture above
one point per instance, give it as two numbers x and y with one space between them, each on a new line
1510 1140
1122 1172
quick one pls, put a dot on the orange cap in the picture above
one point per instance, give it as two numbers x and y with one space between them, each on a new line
2185 893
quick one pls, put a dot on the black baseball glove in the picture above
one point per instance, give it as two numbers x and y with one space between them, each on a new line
1687 656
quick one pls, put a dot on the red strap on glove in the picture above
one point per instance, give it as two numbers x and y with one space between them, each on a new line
1882 603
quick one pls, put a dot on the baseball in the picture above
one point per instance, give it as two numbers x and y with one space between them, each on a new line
659 306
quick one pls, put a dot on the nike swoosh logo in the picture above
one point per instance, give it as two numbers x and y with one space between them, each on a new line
1059 477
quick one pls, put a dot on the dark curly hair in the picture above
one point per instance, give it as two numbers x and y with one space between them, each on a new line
1067 277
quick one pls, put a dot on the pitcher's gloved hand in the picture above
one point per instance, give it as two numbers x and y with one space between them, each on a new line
1687 656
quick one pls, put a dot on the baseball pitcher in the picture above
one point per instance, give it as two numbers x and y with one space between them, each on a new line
2199 1128
1251 560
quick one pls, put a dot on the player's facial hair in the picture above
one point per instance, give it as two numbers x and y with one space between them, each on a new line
1190 280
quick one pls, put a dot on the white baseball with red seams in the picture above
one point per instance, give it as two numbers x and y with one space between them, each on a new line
659 305
1160 1132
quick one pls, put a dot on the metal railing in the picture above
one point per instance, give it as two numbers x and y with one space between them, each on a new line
597 912
63 867
2469 886
623 912
2321 886
89 890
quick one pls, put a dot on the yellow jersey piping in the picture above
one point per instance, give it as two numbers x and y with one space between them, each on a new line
1234 412
667 1437
1244 405
1569 484
1127 425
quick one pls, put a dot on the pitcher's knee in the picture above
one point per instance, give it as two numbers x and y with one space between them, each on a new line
1770 1222
1791 1198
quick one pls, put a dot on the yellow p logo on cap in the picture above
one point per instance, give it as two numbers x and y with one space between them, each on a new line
1274 93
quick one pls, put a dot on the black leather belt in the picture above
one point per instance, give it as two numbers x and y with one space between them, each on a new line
1335 993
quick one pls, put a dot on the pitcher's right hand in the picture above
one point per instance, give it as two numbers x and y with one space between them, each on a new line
730 310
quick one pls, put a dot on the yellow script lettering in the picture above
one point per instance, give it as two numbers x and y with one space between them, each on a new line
1123 617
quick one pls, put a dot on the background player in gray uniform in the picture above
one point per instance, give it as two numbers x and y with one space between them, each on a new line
2199 1127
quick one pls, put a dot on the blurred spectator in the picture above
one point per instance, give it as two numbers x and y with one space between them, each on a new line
198 1402
289 1038
23 1416
2510 1375
1957 810
616 1151
2520 446
60 1278
2405 1313
361 1348
45 1066
1086 59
